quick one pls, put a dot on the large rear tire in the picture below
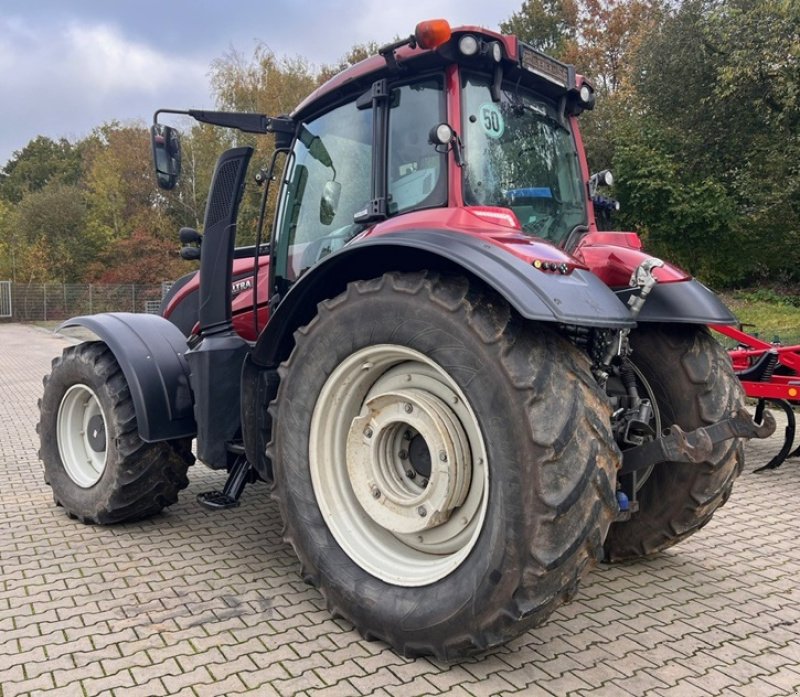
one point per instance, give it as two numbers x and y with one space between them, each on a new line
98 467
444 469
692 384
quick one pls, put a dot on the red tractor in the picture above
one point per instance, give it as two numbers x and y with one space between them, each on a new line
462 392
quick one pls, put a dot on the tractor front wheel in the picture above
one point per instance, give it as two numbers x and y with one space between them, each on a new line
444 469
98 467
688 377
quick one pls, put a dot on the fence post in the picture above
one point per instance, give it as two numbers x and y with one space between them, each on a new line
133 298
90 299
44 301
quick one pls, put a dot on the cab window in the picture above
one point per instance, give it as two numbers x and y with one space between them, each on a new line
327 184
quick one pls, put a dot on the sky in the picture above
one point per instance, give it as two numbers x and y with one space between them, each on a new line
67 66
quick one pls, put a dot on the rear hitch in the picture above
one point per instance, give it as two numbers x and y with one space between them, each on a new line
677 445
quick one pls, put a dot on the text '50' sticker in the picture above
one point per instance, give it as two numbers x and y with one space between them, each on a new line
491 119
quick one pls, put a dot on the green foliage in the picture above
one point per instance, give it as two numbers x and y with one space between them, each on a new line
767 312
548 25
268 84
40 163
770 296
698 114
51 234
704 142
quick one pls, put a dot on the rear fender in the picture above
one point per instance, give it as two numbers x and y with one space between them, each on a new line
578 298
150 351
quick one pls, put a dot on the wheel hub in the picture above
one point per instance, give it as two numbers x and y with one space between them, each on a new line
420 458
96 434
381 473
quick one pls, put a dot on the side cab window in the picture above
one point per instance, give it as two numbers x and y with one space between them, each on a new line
327 184
416 171
329 178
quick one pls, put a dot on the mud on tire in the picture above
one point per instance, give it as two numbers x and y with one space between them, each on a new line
109 475
693 385
544 505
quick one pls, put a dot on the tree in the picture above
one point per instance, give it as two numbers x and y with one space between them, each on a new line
550 26
610 33
119 181
356 54
143 257
267 84
9 242
40 163
54 241
719 82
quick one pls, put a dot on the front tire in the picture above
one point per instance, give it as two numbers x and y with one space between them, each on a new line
98 467
693 385
412 377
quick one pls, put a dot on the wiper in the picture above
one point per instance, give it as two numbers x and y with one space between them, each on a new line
539 116
519 108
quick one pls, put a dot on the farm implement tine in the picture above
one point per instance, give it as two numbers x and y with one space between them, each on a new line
788 439
677 445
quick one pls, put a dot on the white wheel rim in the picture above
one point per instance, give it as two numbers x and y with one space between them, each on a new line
82 436
376 416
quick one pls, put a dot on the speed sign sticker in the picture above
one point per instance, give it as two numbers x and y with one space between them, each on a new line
491 119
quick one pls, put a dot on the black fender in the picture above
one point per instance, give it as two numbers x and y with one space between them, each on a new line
688 302
150 350
577 298
184 315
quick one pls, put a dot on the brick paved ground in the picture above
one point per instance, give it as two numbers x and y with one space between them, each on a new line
194 603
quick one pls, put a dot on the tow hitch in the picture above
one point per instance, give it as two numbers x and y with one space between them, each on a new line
677 445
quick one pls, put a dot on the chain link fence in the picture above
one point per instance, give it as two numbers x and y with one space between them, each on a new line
52 302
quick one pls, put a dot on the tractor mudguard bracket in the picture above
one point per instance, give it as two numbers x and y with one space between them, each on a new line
677 445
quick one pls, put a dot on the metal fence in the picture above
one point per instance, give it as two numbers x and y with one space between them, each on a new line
46 302
5 299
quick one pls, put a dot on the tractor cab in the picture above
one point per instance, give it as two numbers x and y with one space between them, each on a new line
462 128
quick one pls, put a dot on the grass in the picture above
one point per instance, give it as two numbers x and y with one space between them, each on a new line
767 313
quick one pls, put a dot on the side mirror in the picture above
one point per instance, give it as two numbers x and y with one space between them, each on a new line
166 155
329 203
602 178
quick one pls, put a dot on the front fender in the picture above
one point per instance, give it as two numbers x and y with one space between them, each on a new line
578 298
688 302
150 351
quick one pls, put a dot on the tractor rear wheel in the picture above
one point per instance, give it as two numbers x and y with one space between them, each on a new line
98 467
444 469
689 378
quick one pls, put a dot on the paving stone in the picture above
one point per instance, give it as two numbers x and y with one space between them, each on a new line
194 603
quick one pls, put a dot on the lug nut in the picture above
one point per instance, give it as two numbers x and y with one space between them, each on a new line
376 492
402 454
368 433
443 456
422 512
409 408
410 473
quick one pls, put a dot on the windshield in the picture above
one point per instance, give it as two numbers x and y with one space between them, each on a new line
520 156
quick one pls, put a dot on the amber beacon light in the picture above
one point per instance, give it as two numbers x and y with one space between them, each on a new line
432 33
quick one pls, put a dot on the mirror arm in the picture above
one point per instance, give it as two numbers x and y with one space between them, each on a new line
247 122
